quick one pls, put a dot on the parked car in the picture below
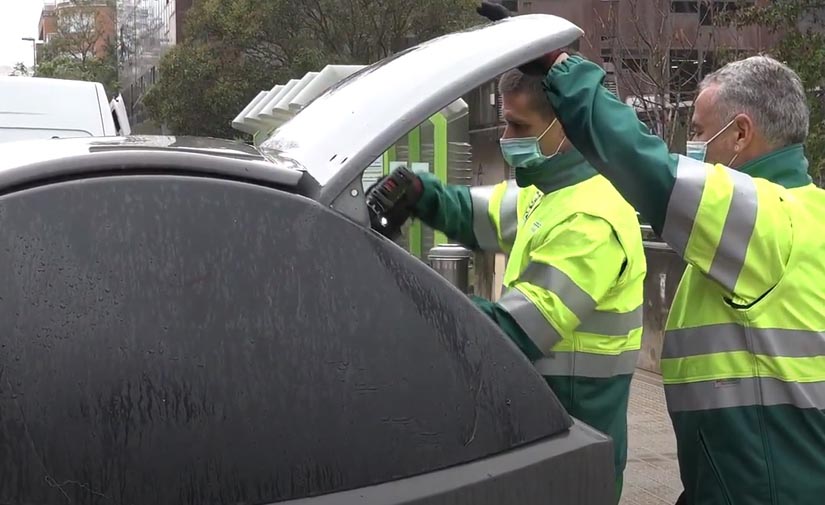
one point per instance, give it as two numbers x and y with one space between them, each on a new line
194 321
41 108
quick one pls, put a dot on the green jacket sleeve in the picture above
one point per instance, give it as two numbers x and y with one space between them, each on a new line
505 321
611 137
448 209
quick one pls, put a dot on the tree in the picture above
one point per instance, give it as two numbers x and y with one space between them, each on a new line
365 31
20 69
802 47
81 29
656 62
65 66
202 87
232 50
235 48
81 48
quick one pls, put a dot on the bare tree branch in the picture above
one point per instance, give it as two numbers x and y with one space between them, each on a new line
656 61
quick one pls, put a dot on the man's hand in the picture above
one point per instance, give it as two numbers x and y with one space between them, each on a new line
391 201
557 57
492 11
541 65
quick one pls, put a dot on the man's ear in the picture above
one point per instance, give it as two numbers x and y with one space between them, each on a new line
745 132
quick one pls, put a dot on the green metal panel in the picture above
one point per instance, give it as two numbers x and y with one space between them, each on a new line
389 157
398 152
414 145
440 146
419 239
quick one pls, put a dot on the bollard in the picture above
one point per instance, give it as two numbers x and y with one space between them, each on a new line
452 262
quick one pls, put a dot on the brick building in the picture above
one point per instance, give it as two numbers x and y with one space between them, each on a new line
92 23
684 38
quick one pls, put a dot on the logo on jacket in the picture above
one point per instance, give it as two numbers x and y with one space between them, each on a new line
533 204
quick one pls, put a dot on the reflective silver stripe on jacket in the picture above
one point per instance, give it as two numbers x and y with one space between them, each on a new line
720 394
554 280
580 302
530 320
683 206
684 202
483 227
612 323
581 364
731 337
508 214
736 234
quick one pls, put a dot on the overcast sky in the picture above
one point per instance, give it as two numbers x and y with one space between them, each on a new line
18 19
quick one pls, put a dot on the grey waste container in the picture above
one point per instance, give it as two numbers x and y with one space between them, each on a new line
452 262
664 272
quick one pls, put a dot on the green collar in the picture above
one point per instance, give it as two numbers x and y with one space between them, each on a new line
560 171
787 167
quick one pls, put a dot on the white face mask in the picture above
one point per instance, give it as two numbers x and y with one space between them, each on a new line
698 149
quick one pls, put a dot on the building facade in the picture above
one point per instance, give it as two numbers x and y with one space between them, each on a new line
656 52
146 30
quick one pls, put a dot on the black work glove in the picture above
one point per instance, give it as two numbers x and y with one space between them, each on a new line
493 12
391 201
496 12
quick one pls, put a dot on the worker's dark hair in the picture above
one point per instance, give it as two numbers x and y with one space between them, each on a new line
515 81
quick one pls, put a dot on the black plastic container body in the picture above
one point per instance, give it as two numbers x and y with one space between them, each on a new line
193 339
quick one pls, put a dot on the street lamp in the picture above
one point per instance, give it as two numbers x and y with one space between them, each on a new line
34 51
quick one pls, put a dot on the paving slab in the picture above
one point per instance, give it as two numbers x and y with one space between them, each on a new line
652 473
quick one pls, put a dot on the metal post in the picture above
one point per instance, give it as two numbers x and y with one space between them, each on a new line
34 52
452 262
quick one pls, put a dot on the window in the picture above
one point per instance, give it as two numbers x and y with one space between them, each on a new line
78 22
711 13
512 5
635 64
709 63
684 73
610 81
484 106
684 7
687 68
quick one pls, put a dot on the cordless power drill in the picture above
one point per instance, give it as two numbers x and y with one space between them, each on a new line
391 200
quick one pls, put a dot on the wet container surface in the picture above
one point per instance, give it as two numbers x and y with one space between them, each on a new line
176 339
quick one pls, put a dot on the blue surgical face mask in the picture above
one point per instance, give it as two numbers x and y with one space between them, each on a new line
698 149
525 152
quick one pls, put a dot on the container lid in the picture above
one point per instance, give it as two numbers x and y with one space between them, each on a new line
449 251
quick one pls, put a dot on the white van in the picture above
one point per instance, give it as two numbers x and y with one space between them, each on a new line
38 108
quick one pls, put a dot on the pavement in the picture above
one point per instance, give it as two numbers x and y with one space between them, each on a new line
652 473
